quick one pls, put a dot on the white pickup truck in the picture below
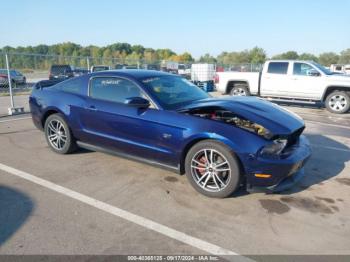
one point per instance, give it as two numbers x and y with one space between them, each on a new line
290 81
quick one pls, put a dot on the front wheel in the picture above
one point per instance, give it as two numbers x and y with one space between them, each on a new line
239 90
58 135
212 169
338 102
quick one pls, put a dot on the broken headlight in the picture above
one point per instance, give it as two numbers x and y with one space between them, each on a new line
274 148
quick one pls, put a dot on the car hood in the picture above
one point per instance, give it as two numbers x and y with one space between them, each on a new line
339 78
277 120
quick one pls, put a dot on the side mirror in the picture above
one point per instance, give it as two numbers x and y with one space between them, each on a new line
138 102
313 72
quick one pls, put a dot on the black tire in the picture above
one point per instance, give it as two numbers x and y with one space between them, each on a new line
232 177
239 90
338 102
69 145
13 84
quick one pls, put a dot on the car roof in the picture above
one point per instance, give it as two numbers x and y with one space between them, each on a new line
132 73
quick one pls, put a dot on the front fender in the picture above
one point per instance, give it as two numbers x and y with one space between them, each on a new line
194 139
240 142
207 135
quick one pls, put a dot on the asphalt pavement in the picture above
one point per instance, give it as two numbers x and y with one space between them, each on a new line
93 203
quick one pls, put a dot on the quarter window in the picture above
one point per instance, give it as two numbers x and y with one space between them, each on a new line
278 68
71 86
113 89
302 69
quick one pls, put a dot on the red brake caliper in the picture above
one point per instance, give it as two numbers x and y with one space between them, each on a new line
204 162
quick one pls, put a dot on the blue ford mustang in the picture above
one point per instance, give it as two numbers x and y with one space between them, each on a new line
163 119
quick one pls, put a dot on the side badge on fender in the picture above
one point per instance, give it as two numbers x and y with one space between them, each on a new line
166 136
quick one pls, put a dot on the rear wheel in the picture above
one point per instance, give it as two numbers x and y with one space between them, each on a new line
239 90
212 169
13 83
338 102
58 135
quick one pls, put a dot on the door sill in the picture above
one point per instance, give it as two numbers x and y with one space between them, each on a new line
128 156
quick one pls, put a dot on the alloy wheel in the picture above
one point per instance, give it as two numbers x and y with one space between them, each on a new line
57 134
210 170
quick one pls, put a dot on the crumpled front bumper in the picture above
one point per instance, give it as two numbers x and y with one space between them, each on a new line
288 182
285 171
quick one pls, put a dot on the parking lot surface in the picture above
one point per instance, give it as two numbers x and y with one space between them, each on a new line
38 217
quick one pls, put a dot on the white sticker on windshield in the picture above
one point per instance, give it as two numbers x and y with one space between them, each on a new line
110 82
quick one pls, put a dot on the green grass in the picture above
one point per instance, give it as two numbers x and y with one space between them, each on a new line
15 93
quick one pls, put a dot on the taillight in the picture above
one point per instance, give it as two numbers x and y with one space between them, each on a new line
216 79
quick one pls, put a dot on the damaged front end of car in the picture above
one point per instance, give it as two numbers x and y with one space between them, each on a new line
278 162
226 116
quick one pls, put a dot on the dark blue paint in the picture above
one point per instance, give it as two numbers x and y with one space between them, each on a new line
164 136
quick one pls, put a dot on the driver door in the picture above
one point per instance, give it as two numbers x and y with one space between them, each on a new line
110 123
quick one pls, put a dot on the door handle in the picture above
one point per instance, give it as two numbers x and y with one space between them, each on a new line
91 108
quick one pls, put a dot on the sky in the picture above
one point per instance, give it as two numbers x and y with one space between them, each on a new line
196 26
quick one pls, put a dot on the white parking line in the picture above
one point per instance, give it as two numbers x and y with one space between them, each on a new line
15 119
326 124
139 220
332 148
324 116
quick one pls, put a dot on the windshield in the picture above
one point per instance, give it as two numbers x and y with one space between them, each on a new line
15 73
322 69
173 91
60 69
12 72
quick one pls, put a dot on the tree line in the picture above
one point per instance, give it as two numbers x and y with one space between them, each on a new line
130 54
118 51
258 56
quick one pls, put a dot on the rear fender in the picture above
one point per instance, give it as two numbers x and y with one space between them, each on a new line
232 83
54 110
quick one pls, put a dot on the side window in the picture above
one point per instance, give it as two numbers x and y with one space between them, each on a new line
278 68
74 85
302 69
113 89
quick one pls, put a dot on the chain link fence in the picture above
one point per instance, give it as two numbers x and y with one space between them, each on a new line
25 69
244 67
